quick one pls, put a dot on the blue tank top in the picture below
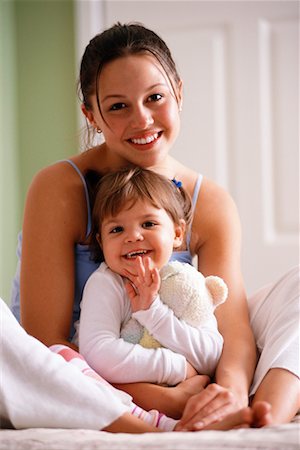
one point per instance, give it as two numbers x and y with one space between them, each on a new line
84 265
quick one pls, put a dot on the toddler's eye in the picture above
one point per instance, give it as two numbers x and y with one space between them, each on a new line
155 97
116 230
148 224
117 106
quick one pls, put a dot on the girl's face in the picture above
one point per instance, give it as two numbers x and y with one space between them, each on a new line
140 114
139 230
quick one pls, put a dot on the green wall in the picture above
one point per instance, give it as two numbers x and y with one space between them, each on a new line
10 205
37 109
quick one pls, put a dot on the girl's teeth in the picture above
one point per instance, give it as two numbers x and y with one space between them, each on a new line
145 140
135 254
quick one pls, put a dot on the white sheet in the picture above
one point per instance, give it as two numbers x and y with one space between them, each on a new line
284 437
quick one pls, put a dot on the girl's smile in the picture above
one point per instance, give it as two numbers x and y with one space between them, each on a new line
137 253
139 113
146 141
140 231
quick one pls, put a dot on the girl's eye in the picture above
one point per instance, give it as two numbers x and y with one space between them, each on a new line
116 230
148 224
117 106
155 97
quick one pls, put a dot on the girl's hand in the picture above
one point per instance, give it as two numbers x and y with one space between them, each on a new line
209 406
143 287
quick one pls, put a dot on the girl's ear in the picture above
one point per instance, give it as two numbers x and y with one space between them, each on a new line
89 115
179 234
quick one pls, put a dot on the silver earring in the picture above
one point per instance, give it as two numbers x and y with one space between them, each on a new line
99 131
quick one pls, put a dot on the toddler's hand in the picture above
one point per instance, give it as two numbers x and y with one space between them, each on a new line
143 288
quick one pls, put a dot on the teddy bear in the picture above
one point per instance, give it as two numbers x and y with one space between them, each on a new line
192 297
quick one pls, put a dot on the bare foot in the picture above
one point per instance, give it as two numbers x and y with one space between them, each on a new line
257 416
239 419
262 416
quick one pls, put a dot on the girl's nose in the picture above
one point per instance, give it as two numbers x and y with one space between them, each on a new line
134 235
141 118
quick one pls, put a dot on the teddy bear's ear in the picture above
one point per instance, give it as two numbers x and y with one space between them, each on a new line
171 269
217 289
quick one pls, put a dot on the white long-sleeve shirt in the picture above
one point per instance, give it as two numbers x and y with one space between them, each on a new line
105 307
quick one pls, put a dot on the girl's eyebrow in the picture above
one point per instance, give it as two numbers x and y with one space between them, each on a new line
114 221
109 223
107 97
121 96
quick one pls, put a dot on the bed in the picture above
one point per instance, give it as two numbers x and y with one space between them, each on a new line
283 437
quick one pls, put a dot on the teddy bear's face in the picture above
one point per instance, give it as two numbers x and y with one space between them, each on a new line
189 294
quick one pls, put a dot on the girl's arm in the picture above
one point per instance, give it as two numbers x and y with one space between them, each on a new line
217 222
103 309
54 220
201 346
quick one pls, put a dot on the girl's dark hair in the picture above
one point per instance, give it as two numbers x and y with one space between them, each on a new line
116 42
128 185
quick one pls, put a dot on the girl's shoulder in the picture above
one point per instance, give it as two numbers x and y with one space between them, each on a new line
215 214
55 177
212 194
56 197
68 172
209 193
108 281
66 178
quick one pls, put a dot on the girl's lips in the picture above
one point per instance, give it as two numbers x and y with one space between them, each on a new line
134 254
145 140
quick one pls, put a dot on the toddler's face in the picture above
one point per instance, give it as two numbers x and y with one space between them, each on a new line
139 230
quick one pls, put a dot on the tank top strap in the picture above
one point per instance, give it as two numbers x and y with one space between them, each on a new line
87 197
194 201
196 190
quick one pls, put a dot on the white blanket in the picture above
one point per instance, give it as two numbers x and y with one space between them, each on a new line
284 437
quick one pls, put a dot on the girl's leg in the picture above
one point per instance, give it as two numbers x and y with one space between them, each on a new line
169 400
130 424
151 418
274 314
281 389
140 421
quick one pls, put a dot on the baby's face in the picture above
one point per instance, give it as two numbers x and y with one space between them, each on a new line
139 230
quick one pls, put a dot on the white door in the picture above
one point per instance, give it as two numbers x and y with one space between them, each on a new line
239 64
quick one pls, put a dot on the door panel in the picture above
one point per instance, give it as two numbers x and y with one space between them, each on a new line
240 119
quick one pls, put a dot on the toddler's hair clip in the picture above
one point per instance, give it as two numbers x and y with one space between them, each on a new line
178 184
